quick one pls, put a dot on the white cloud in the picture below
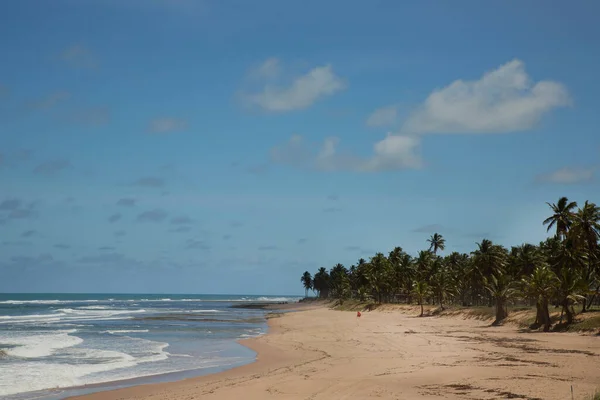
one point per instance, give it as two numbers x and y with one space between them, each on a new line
167 125
298 94
568 176
384 116
503 100
394 152
269 69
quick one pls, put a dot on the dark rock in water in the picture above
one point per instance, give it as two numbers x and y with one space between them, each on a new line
3 354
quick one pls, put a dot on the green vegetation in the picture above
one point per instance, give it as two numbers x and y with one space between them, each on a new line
562 272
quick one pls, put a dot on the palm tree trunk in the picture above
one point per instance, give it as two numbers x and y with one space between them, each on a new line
545 315
568 311
421 302
500 311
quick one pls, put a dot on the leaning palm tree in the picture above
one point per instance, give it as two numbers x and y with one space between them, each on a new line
307 282
436 242
562 216
542 284
421 291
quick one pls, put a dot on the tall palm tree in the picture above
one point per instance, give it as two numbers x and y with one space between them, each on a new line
542 284
321 282
585 233
423 263
562 216
421 291
379 275
339 282
307 282
488 259
436 242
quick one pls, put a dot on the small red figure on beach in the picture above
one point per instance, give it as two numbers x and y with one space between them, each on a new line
358 314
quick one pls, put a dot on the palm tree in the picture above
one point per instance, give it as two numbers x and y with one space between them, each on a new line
379 275
568 263
421 290
436 242
501 288
321 283
339 282
307 282
441 284
585 233
562 216
488 259
542 284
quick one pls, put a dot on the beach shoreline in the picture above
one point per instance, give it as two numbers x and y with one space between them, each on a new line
331 354
138 385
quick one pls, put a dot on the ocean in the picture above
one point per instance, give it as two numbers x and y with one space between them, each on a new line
52 342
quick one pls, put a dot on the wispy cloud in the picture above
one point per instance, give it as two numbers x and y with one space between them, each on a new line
120 233
62 246
25 213
297 93
49 101
182 220
109 258
270 247
181 229
10 204
114 218
167 125
79 56
52 167
394 152
568 176
149 181
332 209
156 215
17 243
29 233
194 244
89 116
385 116
126 202
432 228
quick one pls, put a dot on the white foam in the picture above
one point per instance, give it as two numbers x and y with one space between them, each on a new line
90 365
22 302
38 344
125 331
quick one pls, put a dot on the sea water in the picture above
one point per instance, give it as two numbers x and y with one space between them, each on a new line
53 341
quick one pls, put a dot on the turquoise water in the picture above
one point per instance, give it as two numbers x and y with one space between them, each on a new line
68 340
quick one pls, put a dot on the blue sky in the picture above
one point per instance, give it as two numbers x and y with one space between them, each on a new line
228 146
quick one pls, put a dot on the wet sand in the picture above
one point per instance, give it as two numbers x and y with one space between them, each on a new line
325 354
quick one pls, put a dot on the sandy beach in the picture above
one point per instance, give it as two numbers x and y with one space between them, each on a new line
324 354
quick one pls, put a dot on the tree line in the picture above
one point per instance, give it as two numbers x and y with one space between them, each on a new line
562 270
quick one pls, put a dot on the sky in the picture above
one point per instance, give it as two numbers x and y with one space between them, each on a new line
227 146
